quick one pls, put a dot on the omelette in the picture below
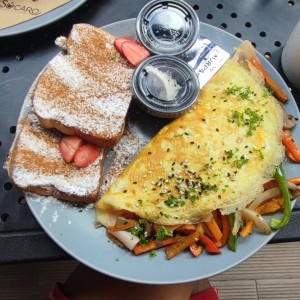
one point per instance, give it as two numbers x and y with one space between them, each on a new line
215 157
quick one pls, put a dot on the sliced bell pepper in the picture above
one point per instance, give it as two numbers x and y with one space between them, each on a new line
278 92
214 228
270 206
287 207
247 229
142 248
225 231
232 239
181 244
209 245
124 226
290 144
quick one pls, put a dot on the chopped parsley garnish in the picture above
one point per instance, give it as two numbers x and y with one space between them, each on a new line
136 231
232 90
140 231
229 154
174 202
260 153
162 233
269 91
209 187
248 118
152 254
192 194
241 161
242 92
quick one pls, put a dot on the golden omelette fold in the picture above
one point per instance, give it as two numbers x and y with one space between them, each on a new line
217 156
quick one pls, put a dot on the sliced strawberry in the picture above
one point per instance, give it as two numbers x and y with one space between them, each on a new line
68 146
134 52
119 41
86 155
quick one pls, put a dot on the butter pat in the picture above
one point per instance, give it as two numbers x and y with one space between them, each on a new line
161 85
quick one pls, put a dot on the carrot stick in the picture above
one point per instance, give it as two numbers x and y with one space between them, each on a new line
187 228
225 231
278 92
247 229
181 244
142 248
290 155
295 180
290 144
124 226
214 229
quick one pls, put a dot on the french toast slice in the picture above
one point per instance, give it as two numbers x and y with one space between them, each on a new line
36 165
86 89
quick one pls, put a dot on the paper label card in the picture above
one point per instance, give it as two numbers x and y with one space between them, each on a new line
13 12
206 58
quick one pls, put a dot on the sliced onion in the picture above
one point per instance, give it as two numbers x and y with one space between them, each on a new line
295 194
293 186
266 195
259 222
127 238
237 222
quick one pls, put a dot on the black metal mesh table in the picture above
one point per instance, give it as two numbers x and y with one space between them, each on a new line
267 24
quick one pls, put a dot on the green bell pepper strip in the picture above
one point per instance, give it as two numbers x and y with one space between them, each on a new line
280 177
232 239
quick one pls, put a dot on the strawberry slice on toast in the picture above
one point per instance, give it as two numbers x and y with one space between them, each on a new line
68 147
86 155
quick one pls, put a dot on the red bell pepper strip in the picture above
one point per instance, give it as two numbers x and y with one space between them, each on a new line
209 245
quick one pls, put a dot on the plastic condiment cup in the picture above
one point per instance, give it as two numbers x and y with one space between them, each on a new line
167 27
160 77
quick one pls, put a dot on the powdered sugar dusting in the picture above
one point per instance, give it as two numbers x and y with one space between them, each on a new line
38 163
67 72
121 155
55 209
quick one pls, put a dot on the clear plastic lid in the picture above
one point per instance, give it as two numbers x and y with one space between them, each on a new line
167 27
165 86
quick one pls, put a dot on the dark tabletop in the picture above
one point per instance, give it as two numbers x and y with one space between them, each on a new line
267 24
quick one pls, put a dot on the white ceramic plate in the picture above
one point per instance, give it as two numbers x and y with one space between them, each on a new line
43 20
73 228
